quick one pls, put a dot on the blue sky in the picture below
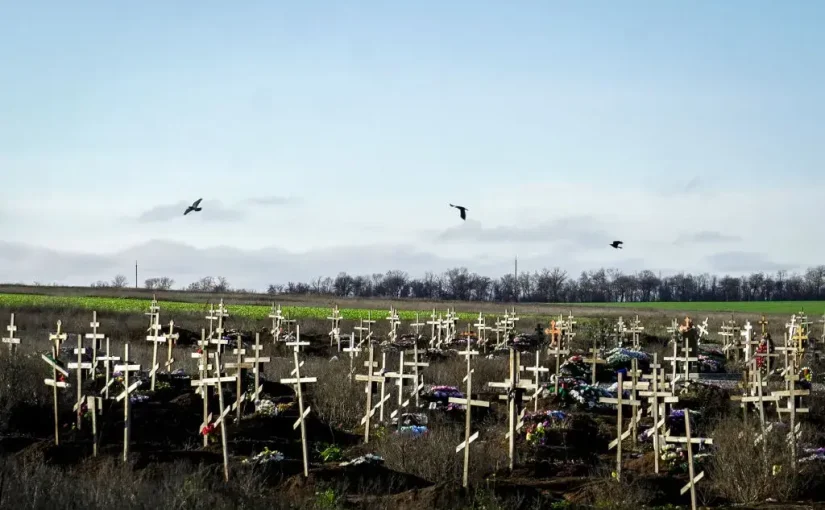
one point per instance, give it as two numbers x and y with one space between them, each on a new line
371 116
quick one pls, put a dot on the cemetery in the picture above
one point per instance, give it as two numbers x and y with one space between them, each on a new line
435 410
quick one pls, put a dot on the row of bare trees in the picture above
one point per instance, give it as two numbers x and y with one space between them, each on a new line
555 285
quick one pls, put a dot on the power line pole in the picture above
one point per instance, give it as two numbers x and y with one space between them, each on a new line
136 278
516 275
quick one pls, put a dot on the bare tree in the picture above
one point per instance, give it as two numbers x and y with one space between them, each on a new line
119 281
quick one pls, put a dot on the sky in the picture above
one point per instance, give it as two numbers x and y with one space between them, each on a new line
331 136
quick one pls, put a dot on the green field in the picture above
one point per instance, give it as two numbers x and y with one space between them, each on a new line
812 308
134 305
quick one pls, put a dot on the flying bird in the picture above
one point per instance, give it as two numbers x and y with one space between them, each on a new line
616 244
193 207
462 209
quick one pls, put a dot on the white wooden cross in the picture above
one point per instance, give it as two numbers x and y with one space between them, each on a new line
384 395
54 382
791 393
620 330
557 353
277 319
11 339
239 365
400 376
154 309
482 327
594 360
297 381
515 386
79 367
726 335
352 350
107 366
418 378
95 406
172 338
126 368
469 403
394 323
417 325
95 337
58 337
225 410
620 435
156 338
634 385
569 333
748 340
636 329
433 322
335 332
537 370
654 396
673 328
369 378
220 314
202 386
689 441
257 362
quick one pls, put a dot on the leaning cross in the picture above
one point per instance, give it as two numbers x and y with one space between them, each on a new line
239 365
56 382
654 396
335 332
173 338
369 378
515 388
400 376
416 364
689 441
298 381
620 435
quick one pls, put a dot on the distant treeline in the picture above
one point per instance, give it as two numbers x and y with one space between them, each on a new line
547 285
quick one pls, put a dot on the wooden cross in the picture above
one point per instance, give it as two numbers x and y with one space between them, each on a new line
620 330
154 309
173 339
394 323
95 406
277 319
726 335
11 339
95 337
636 329
557 353
654 396
620 435
800 339
791 393
468 402
203 388
298 381
335 332
58 337
703 329
417 325
224 410
689 441
384 395
239 365
748 341
400 376
481 327
537 371
673 328
515 388
126 368
433 322
759 399
634 385
219 314
156 338
257 362
107 366
594 360
555 334
763 322
369 379
352 350
79 367
419 383
54 382
568 332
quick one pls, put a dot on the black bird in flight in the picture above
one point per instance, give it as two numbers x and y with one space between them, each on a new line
193 207
616 244
462 209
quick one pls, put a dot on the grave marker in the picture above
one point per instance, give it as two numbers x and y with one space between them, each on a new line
79 367
537 370
654 396
419 383
239 365
225 410
515 388
95 337
218 314
277 320
257 362
11 339
107 366
417 325
594 360
126 368
394 323
335 331
56 382
172 338
468 403
298 381
689 441
156 338
400 376
620 435
369 378
352 350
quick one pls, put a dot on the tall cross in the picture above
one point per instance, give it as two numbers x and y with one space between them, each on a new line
58 337
11 339
239 365
748 341
224 410
400 376
515 388
298 381
689 441
107 366
56 382
419 383
220 314
95 337
277 319
620 435
763 322
417 325
127 368
335 332
156 338
154 309
394 322
594 360
369 378
654 396
257 362
468 402
79 367
352 350
537 371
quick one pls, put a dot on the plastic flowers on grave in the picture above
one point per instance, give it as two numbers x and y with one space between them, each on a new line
413 430
708 364
805 378
813 454
283 406
622 358
209 429
574 367
266 407
264 457
365 459
536 432
445 392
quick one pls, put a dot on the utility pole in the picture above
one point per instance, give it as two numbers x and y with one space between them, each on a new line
136 279
516 275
